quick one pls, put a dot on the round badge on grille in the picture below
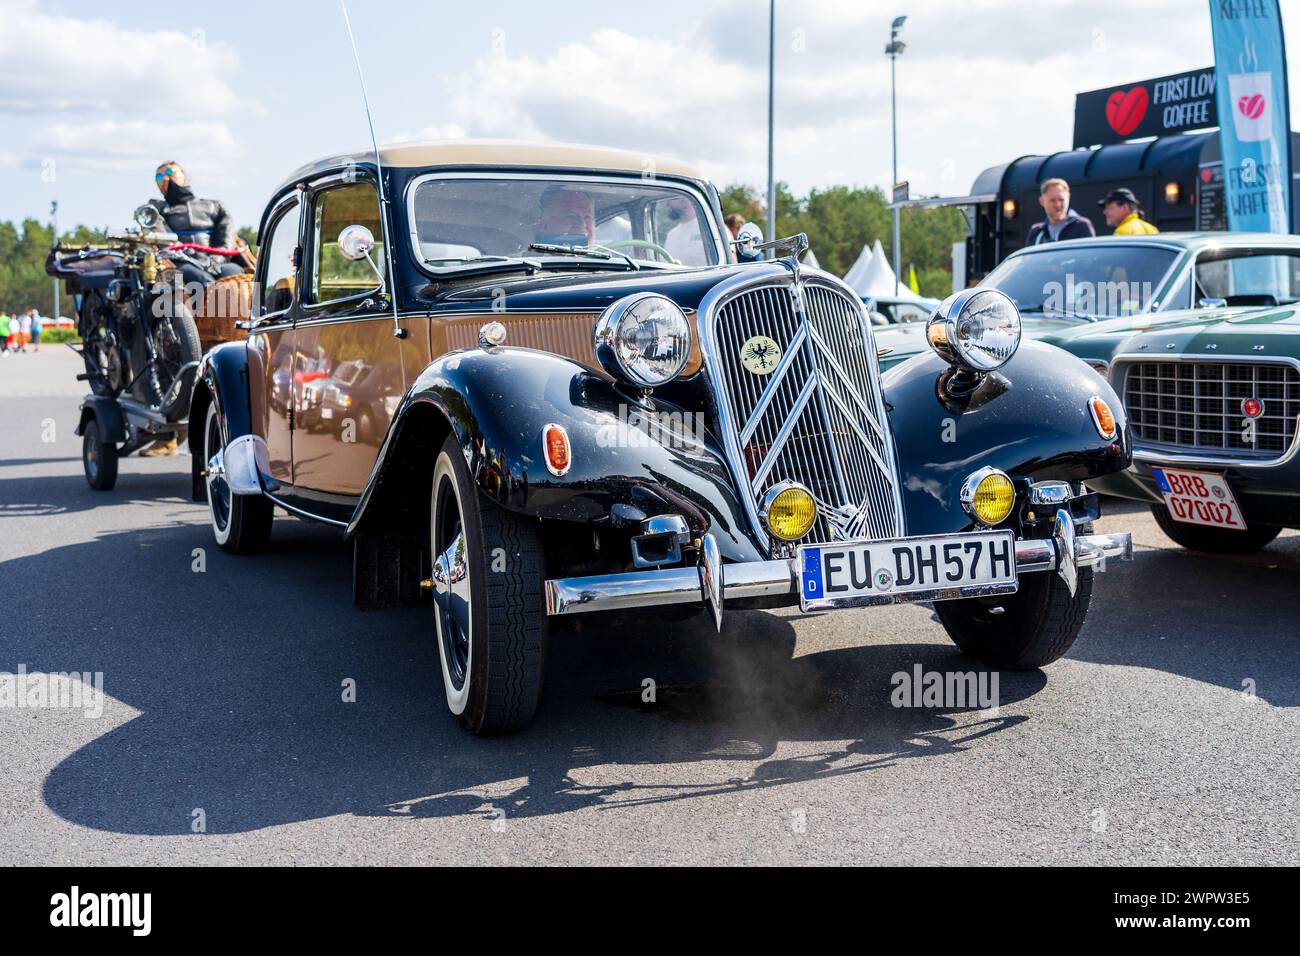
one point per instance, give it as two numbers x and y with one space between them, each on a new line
760 354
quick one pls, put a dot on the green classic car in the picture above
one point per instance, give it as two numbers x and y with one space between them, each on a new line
1199 335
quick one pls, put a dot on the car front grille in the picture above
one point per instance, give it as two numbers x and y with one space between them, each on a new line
1195 405
813 413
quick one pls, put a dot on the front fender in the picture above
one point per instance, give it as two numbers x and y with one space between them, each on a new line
1030 418
221 380
497 403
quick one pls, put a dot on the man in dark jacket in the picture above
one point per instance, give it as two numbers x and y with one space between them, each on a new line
204 222
1062 222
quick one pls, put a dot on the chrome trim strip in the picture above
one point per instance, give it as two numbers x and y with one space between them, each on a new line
754 579
304 514
1150 454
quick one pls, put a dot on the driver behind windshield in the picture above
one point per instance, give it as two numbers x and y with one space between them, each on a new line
203 222
567 217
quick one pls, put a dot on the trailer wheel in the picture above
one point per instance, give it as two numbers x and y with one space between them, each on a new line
98 458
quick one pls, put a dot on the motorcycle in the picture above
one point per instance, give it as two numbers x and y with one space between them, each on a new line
140 338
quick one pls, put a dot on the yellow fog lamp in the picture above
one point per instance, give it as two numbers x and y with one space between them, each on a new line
988 496
788 510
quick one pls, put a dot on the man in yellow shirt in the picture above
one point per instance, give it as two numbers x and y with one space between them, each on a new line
1120 207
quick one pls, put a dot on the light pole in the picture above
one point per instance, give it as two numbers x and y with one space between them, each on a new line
771 87
893 51
54 215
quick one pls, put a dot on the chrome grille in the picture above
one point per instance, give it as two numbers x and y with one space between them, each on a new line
818 417
1195 405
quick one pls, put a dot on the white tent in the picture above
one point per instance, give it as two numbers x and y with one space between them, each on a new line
810 260
871 275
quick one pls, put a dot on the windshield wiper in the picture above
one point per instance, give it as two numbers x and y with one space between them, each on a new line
531 264
595 252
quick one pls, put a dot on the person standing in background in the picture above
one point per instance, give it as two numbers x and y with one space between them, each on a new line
24 330
38 324
1062 222
1120 207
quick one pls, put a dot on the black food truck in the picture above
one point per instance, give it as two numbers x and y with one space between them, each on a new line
1177 175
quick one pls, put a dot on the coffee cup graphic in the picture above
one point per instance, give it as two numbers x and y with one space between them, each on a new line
1251 96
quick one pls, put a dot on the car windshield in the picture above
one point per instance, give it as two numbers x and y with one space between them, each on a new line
459 220
1249 276
1092 281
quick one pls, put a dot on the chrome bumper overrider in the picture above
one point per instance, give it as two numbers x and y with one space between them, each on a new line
712 582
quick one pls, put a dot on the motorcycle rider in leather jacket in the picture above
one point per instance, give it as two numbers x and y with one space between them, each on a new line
204 222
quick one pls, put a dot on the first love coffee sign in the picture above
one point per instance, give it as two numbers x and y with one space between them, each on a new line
1167 104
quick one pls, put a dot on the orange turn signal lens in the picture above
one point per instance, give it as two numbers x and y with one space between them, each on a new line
555 449
1102 417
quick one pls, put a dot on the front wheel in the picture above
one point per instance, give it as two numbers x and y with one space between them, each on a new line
1195 537
1021 631
489 609
98 458
240 523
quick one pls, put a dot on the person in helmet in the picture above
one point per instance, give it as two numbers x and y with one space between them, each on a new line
204 222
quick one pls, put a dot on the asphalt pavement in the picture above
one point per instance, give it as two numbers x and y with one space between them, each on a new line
1170 734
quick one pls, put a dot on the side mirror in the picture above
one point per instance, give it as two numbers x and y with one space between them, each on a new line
355 242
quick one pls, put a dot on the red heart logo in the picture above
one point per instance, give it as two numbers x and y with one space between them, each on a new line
1207 175
1252 107
1124 111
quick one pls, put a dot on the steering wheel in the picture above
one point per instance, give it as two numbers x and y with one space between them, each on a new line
642 244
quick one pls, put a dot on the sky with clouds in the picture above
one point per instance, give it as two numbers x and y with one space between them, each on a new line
94 95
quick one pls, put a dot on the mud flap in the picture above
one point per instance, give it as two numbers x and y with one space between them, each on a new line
387 570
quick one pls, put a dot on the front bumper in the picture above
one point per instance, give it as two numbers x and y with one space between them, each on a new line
713 583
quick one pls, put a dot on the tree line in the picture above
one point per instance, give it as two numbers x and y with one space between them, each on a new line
839 220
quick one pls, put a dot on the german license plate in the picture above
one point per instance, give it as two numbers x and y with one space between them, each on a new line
927 568
1199 497
327 413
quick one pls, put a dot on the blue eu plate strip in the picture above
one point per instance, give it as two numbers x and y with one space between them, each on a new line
812 573
1161 481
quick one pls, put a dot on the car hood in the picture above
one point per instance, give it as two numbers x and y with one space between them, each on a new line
1255 331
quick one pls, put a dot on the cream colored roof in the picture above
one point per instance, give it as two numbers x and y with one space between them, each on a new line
488 152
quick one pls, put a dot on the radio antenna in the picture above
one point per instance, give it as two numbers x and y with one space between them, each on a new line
398 331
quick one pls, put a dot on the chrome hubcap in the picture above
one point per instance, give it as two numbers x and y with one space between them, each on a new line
451 588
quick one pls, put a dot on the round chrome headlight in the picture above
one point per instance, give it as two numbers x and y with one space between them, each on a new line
644 339
976 328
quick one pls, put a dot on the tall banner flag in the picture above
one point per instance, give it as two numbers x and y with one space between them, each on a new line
1254 113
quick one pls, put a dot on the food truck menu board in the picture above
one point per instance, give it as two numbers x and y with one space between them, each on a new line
1211 213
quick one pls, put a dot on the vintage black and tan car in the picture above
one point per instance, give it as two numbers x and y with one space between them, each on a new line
594 408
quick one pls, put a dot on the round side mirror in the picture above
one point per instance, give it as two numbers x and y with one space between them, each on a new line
355 242
147 216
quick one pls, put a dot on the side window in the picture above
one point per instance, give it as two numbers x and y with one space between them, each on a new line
278 249
334 277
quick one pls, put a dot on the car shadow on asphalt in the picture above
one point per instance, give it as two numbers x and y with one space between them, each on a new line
239 681
27 496
1245 609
